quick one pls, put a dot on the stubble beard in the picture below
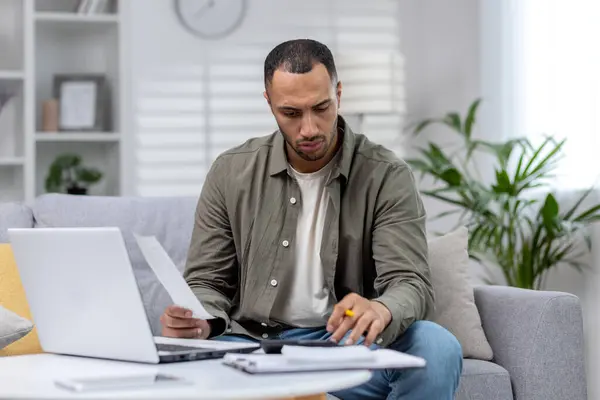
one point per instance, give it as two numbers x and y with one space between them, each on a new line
312 157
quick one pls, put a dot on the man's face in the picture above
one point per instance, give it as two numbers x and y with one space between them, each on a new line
305 107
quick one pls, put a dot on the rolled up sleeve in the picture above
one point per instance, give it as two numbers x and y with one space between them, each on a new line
400 253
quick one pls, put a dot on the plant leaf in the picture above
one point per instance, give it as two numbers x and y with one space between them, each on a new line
418 165
444 214
471 117
88 175
549 212
424 124
572 210
453 121
503 184
444 198
452 177
589 215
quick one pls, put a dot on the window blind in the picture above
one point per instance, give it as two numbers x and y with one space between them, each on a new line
187 112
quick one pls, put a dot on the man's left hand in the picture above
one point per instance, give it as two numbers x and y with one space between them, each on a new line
370 317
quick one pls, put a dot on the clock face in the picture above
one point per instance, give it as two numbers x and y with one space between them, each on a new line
211 18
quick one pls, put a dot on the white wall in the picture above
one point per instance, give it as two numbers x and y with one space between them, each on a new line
440 40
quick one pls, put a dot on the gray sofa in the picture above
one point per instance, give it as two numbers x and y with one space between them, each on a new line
537 337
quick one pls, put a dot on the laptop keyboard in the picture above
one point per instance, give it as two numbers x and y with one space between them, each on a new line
177 347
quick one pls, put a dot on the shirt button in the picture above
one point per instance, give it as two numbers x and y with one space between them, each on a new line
285 243
265 335
229 330
293 200
273 282
379 341
263 324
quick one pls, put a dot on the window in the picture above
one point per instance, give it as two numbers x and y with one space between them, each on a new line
556 86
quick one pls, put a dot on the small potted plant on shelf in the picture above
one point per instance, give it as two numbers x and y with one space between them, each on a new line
67 174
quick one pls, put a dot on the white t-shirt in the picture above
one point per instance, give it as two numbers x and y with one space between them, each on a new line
309 304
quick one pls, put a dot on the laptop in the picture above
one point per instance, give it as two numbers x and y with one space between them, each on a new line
85 301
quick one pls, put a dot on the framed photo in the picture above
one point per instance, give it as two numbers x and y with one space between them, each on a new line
82 102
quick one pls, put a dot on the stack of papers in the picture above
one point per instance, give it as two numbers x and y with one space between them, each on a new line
305 359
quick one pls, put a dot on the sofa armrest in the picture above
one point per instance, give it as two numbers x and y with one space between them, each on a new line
538 337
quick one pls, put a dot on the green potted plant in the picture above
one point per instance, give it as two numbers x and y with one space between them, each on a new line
66 174
514 220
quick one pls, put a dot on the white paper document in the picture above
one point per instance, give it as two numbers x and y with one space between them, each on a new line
336 354
272 363
167 273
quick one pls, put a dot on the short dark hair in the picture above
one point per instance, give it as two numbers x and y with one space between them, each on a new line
298 56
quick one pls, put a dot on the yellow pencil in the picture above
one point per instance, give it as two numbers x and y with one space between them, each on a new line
349 313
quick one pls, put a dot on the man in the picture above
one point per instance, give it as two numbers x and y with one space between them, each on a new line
297 227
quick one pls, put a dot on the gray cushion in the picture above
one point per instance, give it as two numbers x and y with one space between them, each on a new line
454 298
169 219
12 327
484 380
14 215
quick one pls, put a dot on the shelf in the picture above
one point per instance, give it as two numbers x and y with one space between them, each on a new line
11 161
98 137
10 80
72 18
11 75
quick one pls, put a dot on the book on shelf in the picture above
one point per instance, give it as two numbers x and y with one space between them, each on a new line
92 7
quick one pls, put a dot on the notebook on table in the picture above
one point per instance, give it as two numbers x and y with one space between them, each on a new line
303 359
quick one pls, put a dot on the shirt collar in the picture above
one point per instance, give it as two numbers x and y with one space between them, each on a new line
279 163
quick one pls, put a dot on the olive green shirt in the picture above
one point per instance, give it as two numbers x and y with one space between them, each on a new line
374 240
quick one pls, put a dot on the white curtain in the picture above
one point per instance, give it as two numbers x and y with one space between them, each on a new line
556 50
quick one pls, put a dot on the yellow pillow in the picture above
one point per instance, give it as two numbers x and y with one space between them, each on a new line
12 297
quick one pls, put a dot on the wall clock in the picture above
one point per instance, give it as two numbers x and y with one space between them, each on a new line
211 19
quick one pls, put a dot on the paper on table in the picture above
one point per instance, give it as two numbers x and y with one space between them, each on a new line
170 277
272 363
328 354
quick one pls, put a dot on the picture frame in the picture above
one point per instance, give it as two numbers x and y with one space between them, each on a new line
82 102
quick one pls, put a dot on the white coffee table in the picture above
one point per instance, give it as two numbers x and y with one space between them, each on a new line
33 376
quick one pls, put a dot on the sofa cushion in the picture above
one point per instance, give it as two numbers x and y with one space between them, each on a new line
169 219
12 298
14 215
455 307
12 327
484 380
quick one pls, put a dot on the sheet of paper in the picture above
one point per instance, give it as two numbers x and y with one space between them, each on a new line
167 273
351 354
261 363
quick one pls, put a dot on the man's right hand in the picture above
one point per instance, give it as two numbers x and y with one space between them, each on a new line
177 322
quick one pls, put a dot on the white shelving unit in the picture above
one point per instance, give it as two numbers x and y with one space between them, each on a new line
13 79
43 38
11 76
86 137
12 161
85 20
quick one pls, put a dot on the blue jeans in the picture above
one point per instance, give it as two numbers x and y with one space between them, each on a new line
438 380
